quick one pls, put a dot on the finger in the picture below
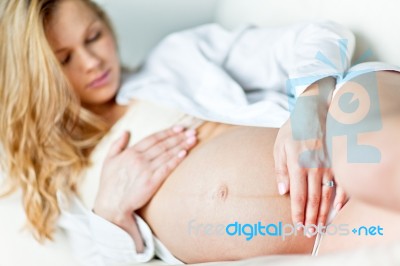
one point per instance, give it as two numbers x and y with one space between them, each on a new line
281 171
183 140
298 192
181 150
119 145
314 180
340 199
161 173
155 138
326 199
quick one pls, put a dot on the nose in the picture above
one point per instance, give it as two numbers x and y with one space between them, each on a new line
88 60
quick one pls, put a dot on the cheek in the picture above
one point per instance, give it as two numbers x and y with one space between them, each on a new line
76 80
108 50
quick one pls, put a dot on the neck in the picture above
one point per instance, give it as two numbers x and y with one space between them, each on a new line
109 111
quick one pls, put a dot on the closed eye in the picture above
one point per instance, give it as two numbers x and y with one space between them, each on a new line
66 60
95 37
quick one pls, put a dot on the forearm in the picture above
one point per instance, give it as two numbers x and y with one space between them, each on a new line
128 223
311 109
322 91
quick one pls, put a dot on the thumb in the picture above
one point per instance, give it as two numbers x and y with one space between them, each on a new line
340 199
119 145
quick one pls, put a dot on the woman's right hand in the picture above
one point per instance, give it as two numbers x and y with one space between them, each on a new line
132 175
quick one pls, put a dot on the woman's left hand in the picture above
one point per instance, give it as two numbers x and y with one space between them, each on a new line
302 165
310 194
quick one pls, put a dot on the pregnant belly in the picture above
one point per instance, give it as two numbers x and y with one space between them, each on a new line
227 178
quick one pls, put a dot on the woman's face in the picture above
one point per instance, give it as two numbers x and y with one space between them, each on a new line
86 50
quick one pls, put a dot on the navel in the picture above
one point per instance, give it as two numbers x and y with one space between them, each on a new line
221 192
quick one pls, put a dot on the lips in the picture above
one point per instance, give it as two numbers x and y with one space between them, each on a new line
100 81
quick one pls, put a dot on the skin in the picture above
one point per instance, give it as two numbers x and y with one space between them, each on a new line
132 175
227 177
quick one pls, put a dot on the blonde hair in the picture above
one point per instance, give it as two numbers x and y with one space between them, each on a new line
45 134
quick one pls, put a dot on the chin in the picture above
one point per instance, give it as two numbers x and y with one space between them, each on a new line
100 96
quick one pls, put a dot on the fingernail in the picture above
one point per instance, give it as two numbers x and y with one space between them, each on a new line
281 188
191 140
299 226
321 228
177 129
310 232
182 153
190 132
338 207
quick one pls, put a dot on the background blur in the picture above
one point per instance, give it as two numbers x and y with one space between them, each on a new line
140 24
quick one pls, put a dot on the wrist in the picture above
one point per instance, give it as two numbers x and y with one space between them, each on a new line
127 222
124 220
112 214
322 90
312 105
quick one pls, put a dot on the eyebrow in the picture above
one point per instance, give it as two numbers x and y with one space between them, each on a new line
89 25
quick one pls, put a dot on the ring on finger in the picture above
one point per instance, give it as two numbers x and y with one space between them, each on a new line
329 183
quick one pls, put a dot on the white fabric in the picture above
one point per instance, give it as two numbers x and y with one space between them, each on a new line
96 241
234 77
239 77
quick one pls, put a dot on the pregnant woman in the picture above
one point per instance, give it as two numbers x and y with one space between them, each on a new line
60 77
